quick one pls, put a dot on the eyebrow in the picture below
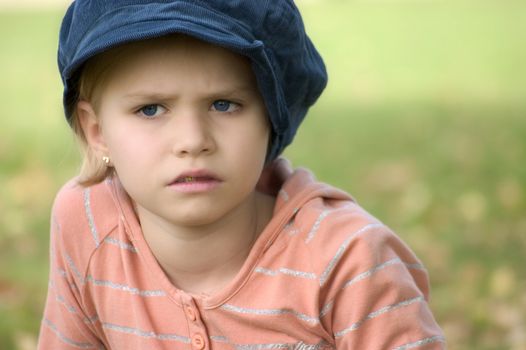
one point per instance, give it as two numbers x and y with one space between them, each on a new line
161 96
148 94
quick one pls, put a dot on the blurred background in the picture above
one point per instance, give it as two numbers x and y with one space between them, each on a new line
423 121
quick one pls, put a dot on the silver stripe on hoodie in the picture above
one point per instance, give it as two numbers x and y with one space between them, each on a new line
367 274
61 300
286 271
289 346
316 225
419 343
73 268
65 339
89 215
270 312
125 288
362 276
283 194
325 275
145 334
120 244
377 313
91 320
219 339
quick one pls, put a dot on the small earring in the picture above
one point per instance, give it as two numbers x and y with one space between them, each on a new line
106 160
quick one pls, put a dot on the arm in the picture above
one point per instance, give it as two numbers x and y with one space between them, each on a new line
65 324
379 293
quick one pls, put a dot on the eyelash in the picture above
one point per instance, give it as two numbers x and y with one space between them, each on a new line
235 105
140 110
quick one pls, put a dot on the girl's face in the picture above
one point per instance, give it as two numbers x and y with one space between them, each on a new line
185 128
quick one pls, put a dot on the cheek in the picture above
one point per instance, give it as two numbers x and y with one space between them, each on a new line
265 139
254 144
126 146
254 150
260 132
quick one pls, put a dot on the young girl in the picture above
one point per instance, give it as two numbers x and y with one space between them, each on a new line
185 230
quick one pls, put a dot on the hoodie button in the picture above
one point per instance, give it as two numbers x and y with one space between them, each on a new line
198 341
190 313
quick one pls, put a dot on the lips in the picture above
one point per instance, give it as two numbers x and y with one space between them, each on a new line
195 182
194 176
187 179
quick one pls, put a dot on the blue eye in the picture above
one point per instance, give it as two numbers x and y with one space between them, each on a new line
221 105
225 106
150 111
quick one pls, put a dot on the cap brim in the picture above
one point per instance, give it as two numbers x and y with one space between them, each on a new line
151 20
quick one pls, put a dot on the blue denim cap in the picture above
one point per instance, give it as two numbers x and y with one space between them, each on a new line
289 71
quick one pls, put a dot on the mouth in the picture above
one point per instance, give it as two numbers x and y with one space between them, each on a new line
195 176
189 179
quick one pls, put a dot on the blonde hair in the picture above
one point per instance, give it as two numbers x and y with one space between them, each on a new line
93 79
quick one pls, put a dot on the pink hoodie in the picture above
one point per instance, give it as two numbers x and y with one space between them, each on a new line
324 274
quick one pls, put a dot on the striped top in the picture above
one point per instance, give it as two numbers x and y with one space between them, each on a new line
324 274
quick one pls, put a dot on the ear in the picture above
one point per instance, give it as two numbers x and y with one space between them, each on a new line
91 127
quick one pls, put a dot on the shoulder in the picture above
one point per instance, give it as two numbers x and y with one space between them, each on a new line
343 241
81 218
92 207
364 270
327 222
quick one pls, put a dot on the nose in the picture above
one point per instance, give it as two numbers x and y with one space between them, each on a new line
192 135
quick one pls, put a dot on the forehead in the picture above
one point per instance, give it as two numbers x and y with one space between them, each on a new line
180 55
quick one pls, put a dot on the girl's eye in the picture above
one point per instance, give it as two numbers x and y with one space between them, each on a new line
150 111
225 106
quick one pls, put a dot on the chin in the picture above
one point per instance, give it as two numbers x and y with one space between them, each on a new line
192 220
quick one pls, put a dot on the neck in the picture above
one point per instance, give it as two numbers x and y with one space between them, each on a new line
202 259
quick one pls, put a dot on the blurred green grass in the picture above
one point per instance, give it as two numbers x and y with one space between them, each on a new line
423 122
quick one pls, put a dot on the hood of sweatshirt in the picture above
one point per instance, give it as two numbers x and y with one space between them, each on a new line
297 193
